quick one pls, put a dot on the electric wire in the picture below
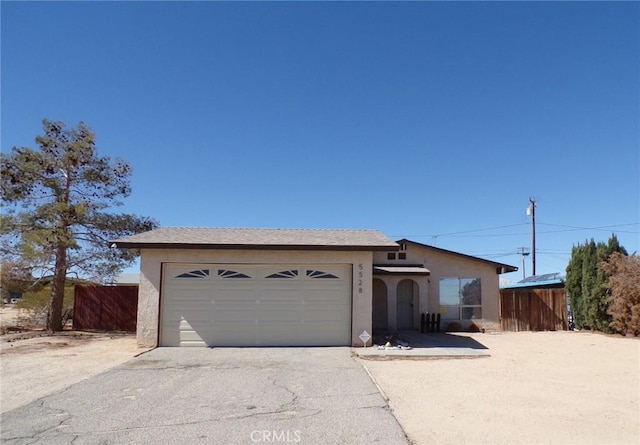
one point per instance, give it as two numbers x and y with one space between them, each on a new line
466 233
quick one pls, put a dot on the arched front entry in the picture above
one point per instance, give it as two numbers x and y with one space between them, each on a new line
380 319
407 303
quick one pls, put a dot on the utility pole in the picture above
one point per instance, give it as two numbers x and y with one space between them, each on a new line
531 211
524 251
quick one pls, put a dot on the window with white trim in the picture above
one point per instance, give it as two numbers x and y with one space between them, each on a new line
460 298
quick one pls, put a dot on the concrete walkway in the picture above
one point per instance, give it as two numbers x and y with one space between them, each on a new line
427 347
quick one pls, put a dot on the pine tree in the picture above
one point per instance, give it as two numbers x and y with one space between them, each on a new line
63 191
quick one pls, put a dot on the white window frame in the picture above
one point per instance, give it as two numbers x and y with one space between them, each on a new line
446 309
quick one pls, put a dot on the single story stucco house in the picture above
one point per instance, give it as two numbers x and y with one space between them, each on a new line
299 287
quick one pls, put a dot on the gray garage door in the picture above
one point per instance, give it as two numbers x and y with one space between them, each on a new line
256 305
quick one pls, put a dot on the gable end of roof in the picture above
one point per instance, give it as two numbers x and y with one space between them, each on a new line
500 267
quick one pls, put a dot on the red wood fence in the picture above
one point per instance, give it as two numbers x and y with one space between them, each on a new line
105 308
523 309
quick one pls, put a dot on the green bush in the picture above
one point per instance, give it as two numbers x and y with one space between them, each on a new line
36 303
454 326
473 328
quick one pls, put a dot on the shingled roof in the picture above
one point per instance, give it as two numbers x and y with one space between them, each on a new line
237 238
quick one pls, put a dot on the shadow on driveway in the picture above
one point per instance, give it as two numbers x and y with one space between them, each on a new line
441 340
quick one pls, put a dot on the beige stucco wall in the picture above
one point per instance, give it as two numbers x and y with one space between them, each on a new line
445 265
151 276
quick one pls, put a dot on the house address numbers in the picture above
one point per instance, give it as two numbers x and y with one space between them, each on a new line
360 277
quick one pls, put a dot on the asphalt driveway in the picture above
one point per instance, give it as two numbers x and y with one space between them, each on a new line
215 396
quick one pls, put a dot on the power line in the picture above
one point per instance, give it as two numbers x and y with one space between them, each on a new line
458 233
465 233
579 227
602 228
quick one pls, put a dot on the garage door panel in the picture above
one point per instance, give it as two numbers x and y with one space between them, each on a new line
240 301
225 290
291 316
232 335
256 305
180 314
197 344
330 295
185 317
178 332
234 316
314 331
187 297
325 316
190 335
193 310
187 324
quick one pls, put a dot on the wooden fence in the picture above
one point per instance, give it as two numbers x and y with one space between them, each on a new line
105 308
523 309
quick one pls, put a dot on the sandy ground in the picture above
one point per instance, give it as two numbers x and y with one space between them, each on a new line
9 315
536 388
35 367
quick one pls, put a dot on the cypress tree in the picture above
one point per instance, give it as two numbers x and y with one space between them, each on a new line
573 285
587 283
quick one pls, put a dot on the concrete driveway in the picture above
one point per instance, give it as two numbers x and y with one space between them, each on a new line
215 396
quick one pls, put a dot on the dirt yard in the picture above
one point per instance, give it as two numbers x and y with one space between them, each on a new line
33 365
536 388
9 315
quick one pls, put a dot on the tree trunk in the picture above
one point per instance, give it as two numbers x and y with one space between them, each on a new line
54 317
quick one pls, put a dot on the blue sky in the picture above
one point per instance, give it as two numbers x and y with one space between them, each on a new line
434 121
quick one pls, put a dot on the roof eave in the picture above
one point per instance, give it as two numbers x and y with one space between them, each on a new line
384 272
500 267
207 246
379 269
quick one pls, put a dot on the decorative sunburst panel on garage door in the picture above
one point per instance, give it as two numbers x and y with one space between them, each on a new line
223 273
284 274
319 274
201 273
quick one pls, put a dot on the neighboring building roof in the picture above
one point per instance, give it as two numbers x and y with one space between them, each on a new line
542 278
406 270
500 267
279 239
127 278
538 281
